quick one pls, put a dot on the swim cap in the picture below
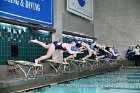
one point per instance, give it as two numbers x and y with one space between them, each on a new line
73 48
92 41
70 39
74 39
91 46
115 51
85 40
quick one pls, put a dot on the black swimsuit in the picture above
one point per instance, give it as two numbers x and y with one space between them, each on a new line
107 48
111 54
79 43
95 46
57 46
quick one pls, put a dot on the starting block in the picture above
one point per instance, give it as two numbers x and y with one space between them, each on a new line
108 61
95 63
112 61
32 67
105 62
80 65
62 66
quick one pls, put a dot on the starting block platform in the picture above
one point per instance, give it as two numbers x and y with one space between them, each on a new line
80 65
112 61
61 66
95 63
102 62
108 61
32 67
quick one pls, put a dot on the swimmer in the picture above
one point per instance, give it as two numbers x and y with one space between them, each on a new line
52 47
93 52
113 51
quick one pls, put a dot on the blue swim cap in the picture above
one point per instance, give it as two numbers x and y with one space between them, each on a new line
85 40
91 46
92 41
70 39
73 48
115 51
74 39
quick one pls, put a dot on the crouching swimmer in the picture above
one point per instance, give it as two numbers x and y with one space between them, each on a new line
84 46
113 51
53 46
93 52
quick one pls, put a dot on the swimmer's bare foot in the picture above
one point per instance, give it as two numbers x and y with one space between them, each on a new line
34 41
121 59
36 61
83 60
97 59
65 61
53 59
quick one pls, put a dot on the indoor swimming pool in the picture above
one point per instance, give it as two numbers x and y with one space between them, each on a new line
122 81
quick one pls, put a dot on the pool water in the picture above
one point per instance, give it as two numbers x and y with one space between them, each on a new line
122 81
58 89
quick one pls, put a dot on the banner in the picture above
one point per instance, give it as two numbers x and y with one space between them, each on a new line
83 8
32 11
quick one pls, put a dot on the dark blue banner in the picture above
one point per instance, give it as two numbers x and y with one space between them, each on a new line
33 11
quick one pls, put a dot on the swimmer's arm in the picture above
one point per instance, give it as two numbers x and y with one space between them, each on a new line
107 51
71 52
59 53
71 56
87 46
115 54
82 49
90 49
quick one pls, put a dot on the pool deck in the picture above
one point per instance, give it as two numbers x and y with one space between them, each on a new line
21 84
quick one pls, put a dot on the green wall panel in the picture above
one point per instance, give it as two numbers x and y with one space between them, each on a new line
20 36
